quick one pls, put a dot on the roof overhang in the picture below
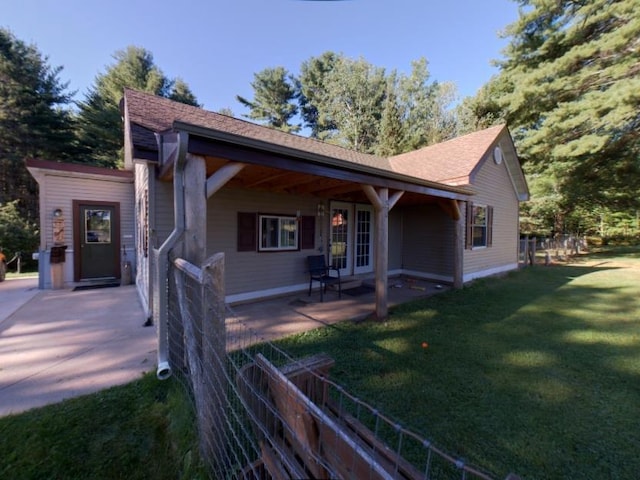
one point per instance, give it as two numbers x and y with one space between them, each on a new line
232 147
38 168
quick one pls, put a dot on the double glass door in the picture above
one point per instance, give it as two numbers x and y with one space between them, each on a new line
351 238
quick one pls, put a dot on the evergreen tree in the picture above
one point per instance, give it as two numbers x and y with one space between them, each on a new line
100 129
273 97
572 97
392 134
357 105
417 97
34 121
18 235
310 86
180 92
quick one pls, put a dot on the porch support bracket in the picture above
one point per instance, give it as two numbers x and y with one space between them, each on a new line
382 203
218 180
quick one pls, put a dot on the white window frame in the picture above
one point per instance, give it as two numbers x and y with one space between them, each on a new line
282 222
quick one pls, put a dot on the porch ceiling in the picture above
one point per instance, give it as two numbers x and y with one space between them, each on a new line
276 180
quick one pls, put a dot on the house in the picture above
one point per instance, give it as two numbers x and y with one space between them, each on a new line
87 219
268 199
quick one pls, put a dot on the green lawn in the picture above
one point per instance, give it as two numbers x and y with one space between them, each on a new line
143 430
537 373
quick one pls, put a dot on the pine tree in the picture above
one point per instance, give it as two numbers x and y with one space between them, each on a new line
273 99
572 97
100 129
34 119
392 133
310 86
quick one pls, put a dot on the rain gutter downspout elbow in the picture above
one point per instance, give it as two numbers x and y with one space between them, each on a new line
164 367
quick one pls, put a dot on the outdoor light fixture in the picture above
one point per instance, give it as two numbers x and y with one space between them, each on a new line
57 212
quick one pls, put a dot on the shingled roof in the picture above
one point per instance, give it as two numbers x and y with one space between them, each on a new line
149 114
447 165
451 162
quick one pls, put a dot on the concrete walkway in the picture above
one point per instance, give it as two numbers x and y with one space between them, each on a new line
58 344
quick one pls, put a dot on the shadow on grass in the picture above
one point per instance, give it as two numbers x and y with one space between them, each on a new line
535 373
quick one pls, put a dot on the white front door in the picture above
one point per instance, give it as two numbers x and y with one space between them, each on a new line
351 238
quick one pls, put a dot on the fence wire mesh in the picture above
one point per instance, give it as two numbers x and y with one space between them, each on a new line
264 415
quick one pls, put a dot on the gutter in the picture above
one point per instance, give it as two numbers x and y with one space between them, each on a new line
161 306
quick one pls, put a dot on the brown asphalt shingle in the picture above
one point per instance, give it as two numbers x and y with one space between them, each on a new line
450 162
149 113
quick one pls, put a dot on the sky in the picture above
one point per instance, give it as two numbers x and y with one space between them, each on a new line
217 46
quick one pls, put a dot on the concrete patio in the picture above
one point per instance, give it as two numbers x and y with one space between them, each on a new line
59 344
282 316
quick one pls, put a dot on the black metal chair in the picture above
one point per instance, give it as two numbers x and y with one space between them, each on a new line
321 272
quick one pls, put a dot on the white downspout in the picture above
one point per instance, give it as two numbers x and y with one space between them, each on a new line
161 313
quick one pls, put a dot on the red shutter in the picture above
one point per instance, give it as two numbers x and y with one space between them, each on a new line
247 232
489 226
468 241
308 233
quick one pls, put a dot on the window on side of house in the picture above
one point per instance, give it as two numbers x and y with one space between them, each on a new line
479 225
278 233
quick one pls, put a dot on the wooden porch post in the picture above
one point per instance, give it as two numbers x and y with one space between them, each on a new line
382 254
458 245
195 234
382 204
453 209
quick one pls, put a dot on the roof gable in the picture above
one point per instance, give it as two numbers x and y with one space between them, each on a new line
451 162
456 161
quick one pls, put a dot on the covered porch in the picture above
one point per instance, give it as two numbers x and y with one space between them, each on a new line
201 163
275 318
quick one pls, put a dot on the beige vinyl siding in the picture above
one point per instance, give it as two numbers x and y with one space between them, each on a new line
162 226
62 190
494 188
395 239
251 271
428 241
58 189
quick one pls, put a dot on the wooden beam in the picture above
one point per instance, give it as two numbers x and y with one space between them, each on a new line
195 223
267 179
372 195
202 146
394 198
382 254
336 190
450 207
216 181
458 247
308 185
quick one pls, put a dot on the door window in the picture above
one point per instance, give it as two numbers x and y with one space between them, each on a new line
97 226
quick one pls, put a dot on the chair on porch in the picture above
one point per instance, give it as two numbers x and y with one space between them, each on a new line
321 272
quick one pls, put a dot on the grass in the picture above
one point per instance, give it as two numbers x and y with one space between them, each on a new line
537 373
143 430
